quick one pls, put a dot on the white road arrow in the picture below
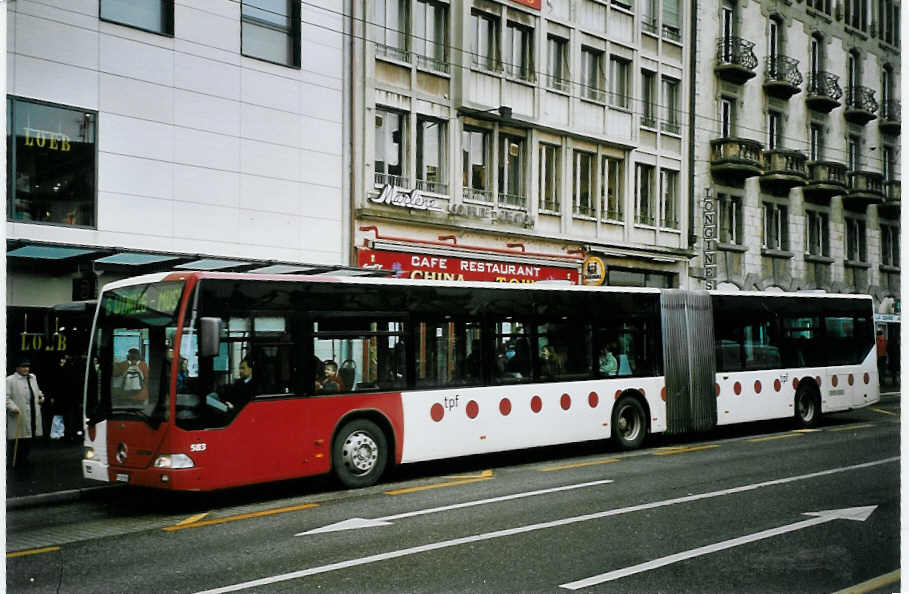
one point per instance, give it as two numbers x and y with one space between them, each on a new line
858 514
355 523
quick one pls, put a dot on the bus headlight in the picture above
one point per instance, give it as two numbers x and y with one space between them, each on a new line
174 461
88 453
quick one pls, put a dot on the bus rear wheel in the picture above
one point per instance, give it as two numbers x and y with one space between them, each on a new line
629 423
359 453
807 407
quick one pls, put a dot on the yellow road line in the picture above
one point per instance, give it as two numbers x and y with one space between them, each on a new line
579 464
886 412
850 427
873 584
806 430
437 486
685 450
192 519
484 474
772 437
268 512
32 552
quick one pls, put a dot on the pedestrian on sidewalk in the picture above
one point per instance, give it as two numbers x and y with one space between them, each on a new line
23 416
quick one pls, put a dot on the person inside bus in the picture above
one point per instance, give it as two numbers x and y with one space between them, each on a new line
473 365
550 363
330 382
131 377
609 365
242 390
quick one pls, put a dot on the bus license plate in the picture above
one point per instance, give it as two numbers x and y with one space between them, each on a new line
122 477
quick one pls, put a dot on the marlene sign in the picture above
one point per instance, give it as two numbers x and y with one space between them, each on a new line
408 265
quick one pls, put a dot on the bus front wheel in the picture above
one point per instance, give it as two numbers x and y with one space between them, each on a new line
629 423
359 453
807 407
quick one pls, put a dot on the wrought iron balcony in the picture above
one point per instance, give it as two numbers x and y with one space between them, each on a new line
783 170
781 76
512 200
823 91
735 158
735 59
861 106
891 117
825 179
865 187
475 195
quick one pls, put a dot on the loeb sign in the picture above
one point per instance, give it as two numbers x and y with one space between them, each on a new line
409 265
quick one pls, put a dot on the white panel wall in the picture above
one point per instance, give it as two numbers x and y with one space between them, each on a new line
200 150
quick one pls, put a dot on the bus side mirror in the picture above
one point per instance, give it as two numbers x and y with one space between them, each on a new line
209 337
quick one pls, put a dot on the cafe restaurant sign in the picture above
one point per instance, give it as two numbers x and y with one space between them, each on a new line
431 267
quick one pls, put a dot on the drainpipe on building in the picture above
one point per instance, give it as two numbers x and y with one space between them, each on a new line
348 184
692 86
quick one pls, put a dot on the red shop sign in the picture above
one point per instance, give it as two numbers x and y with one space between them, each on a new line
429 267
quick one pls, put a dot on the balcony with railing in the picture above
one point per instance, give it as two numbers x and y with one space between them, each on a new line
735 59
392 52
387 179
861 106
823 92
783 170
518 201
475 195
782 78
865 187
735 159
432 187
891 118
825 180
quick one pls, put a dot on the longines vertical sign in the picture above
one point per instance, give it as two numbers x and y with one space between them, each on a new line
710 223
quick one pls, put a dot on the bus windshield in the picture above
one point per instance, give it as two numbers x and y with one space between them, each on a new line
129 371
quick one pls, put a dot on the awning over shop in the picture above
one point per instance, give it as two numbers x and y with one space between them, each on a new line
211 264
44 252
135 259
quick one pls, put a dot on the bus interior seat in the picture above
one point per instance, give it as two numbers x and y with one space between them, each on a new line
348 372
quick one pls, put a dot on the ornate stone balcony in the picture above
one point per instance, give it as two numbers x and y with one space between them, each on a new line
861 106
865 187
782 78
735 59
735 159
891 117
783 170
823 92
825 180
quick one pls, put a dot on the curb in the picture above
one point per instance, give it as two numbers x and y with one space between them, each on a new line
56 497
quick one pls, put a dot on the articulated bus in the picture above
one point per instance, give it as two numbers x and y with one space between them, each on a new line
202 381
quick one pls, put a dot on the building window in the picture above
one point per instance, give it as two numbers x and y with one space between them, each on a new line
730 218
774 129
485 41
817 238
648 99
431 150
671 106
672 21
549 178
475 165
727 117
644 208
592 65
519 47
821 5
511 171
390 150
857 14
888 21
856 249
51 163
612 179
557 62
618 82
853 152
775 227
649 15
890 245
817 142
669 198
155 16
392 22
270 31
583 183
888 163
430 38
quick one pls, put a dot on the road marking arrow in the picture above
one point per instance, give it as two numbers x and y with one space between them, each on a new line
858 514
354 523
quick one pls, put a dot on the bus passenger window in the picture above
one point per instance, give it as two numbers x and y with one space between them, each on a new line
564 350
448 353
371 355
512 350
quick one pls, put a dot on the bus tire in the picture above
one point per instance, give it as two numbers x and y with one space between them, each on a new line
629 423
359 453
807 406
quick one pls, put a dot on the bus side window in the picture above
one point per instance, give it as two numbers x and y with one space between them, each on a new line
358 354
448 353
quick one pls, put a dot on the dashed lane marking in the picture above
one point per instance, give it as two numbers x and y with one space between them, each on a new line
851 427
685 450
192 519
268 512
579 464
773 437
32 552
873 584
882 411
438 485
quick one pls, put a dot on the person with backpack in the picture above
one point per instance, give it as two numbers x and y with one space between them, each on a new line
132 378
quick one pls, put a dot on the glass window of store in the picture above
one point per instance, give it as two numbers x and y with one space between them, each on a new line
618 81
583 183
475 165
730 211
431 162
775 228
511 171
549 178
391 29
644 207
612 179
592 66
390 149
669 198
270 31
51 163
485 40
155 16
519 47
430 38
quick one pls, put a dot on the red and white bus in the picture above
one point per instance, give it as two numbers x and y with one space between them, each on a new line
200 381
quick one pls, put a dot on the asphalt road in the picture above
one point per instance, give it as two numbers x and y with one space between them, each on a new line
723 512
